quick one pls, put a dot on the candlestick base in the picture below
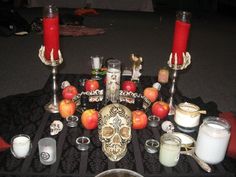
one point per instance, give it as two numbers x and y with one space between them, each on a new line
52 106
176 67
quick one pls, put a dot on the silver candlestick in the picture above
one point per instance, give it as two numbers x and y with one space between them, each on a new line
176 67
52 106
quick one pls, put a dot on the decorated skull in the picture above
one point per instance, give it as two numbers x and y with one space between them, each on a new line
114 129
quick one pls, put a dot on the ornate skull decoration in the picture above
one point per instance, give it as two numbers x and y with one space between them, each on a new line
114 129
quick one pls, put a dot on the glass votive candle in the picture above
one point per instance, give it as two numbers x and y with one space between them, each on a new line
83 143
151 146
169 150
153 121
20 146
72 121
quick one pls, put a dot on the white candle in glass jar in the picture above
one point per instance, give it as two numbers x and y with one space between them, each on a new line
212 140
169 150
21 146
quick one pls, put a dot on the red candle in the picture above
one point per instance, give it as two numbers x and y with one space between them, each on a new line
51 36
180 40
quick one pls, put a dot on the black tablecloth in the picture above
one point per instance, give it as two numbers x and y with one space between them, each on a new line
24 113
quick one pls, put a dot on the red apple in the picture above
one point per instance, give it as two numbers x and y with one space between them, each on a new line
160 109
89 119
69 92
129 86
91 85
139 119
66 108
151 93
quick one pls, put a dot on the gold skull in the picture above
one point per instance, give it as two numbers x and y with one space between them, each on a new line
114 129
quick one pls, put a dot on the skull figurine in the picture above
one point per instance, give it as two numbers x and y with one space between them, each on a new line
114 129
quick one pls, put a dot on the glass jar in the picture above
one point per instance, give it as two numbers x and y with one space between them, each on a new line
169 150
113 81
212 141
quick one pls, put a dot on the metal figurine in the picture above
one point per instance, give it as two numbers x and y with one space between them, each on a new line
52 106
176 67
136 67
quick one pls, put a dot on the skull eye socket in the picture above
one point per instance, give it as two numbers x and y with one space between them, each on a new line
125 132
107 132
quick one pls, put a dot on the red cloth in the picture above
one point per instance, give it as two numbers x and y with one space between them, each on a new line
3 145
231 118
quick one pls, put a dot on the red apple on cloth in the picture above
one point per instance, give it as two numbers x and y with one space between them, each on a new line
66 108
160 109
139 119
89 119
69 92
91 85
129 86
151 93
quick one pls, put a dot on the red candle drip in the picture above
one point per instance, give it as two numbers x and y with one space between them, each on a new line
51 36
180 40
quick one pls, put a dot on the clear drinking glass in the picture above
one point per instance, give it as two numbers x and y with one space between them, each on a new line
20 146
96 63
47 150
113 80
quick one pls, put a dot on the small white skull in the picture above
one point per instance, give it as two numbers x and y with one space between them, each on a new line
55 127
65 84
114 129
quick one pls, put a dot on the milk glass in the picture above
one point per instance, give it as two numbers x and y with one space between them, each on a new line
20 146
212 141
113 81
169 150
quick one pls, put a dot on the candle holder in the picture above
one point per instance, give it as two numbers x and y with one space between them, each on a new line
52 106
176 67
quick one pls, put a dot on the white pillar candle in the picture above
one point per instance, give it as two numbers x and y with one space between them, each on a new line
96 62
20 146
169 150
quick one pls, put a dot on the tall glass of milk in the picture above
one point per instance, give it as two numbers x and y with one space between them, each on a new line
20 146
212 141
169 150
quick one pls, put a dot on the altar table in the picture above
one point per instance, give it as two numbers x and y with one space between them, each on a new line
24 113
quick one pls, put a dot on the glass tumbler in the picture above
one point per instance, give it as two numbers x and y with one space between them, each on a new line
47 150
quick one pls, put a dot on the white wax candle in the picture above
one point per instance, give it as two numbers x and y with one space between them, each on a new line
169 154
21 146
212 145
96 62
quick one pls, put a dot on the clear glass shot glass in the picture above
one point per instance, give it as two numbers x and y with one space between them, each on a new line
83 143
21 146
153 121
72 121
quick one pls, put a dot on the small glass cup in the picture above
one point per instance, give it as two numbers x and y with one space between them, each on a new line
72 121
151 146
83 143
153 121
20 146
96 63
169 150
47 150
